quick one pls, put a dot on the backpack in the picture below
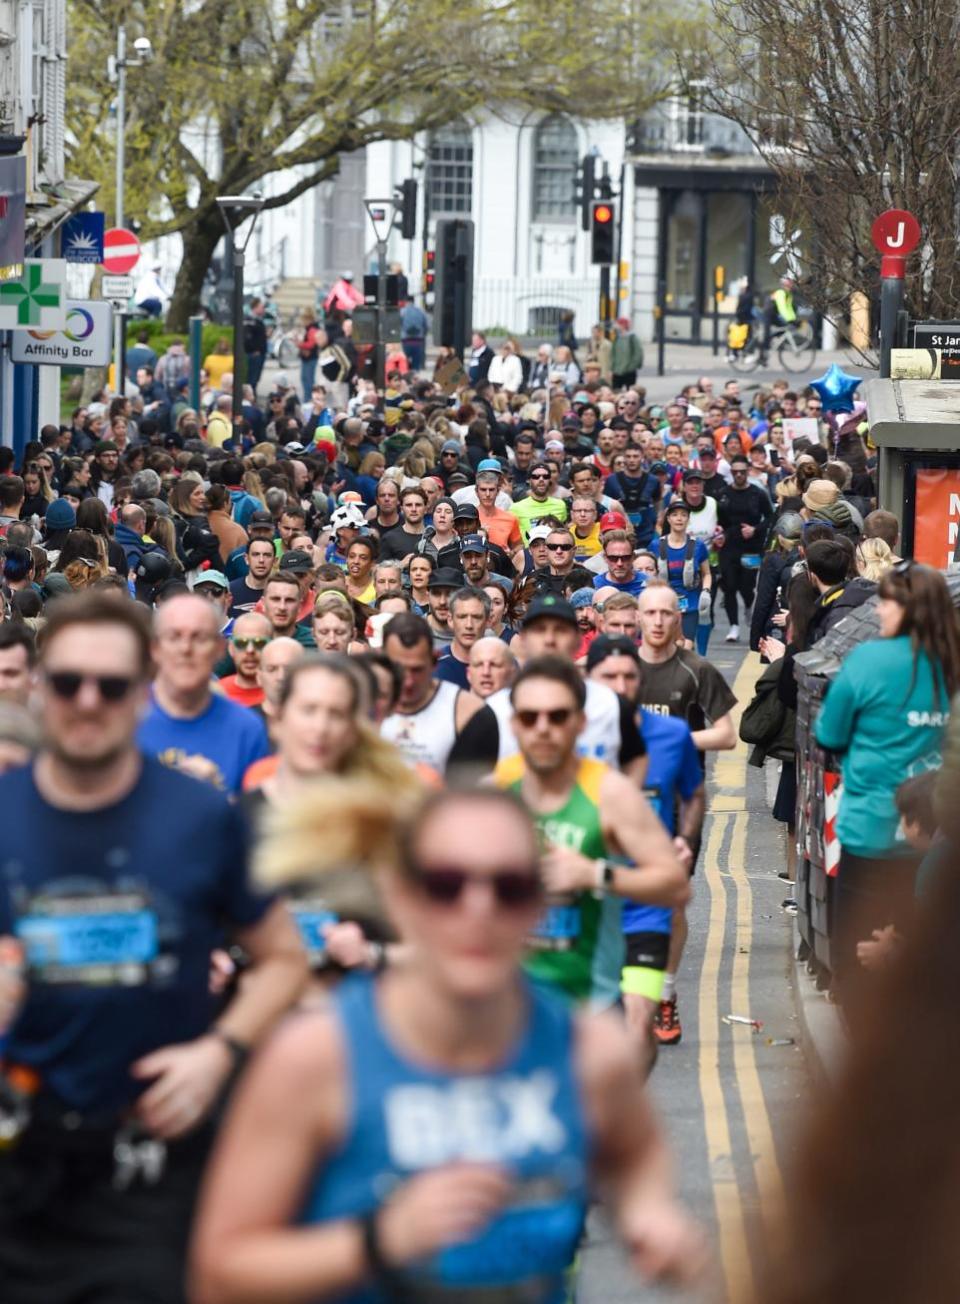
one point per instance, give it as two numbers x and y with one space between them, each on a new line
768 725
690 578
737 333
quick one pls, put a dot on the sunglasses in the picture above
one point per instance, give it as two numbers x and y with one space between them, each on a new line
560 715
619 556
250 644
66 684
560 547
541 475
512 888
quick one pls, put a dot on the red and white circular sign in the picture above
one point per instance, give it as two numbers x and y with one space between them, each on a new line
121 251
895 232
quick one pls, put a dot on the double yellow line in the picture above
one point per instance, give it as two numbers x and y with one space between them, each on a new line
728 814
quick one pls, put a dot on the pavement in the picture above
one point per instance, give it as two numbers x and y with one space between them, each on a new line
730 1098
684 363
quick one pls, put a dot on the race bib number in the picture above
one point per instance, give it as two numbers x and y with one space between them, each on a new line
108 940
311 918
557 929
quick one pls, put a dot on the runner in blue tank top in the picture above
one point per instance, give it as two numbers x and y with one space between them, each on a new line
434 1134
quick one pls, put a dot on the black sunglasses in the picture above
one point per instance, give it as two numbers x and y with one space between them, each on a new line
512 888
250 644
560 547
558 716
66 684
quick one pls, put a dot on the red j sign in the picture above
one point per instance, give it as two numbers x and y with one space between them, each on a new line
895 233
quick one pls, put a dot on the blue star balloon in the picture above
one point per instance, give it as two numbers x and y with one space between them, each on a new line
836 389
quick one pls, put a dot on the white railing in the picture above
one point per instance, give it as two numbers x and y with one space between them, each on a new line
532 305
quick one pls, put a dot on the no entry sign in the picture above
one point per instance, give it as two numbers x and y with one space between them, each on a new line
121 251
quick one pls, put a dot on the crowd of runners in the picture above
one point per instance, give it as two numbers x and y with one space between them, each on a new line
395 711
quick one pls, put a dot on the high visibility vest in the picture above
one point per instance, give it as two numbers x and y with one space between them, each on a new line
783 301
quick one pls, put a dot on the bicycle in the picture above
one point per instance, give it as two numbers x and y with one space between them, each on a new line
283 346
796 351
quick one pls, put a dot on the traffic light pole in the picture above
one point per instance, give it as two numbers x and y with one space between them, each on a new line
605 296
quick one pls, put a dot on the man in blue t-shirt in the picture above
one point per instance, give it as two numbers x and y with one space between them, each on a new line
120 878
620 573
684 562
188 726
675 788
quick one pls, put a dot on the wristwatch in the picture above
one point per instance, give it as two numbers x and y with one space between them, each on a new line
606 870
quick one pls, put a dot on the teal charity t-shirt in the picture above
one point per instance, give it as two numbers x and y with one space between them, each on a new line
887 728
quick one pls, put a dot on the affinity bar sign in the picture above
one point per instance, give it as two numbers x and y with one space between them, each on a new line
38 299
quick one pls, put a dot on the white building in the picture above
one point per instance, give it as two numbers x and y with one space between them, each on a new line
512 174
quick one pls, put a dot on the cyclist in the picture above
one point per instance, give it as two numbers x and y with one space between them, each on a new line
779 312
434 1132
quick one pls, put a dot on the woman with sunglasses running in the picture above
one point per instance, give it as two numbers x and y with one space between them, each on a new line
884 714
435 1133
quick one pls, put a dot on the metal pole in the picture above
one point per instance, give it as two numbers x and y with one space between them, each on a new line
623 173
716 321
196 348
661 324
891 303
118 199
122 319
605 296
380 355
237 406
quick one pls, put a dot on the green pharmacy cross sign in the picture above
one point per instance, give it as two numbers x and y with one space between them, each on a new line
37 299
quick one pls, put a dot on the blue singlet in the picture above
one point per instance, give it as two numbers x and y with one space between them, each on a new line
526 1116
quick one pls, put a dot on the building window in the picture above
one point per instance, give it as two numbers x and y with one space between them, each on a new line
554 171
450 172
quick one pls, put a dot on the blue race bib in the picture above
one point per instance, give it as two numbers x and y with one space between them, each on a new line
90 940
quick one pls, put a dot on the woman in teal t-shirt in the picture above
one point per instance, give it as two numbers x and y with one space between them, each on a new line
884 715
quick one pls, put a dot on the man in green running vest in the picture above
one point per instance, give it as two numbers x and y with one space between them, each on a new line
586 813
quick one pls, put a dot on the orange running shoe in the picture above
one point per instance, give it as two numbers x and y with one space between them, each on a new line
666 1023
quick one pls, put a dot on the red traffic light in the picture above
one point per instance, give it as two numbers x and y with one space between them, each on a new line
602 213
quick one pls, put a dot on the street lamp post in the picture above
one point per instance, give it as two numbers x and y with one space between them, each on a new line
117 71
235 209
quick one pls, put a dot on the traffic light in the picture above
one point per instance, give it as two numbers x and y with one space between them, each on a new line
602 230
453 299
586 188
429 271
408 208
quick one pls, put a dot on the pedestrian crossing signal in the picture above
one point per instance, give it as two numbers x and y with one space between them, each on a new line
602 228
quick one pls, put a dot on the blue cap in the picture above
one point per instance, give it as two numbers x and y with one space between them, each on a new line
490 464
473 543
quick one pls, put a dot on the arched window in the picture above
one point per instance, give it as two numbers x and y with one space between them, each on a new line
554 170
450 172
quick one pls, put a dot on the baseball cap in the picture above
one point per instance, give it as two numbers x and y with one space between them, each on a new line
489 464
694 473
466 512
260 517
554 445
678 505
549 604
446 577
458 477
659 468
214 577
570 422
612 521
610 645
473 543
540 532
300 563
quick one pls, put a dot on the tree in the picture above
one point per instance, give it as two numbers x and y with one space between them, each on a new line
855 104
240 90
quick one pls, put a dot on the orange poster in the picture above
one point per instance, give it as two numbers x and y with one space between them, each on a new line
936 531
